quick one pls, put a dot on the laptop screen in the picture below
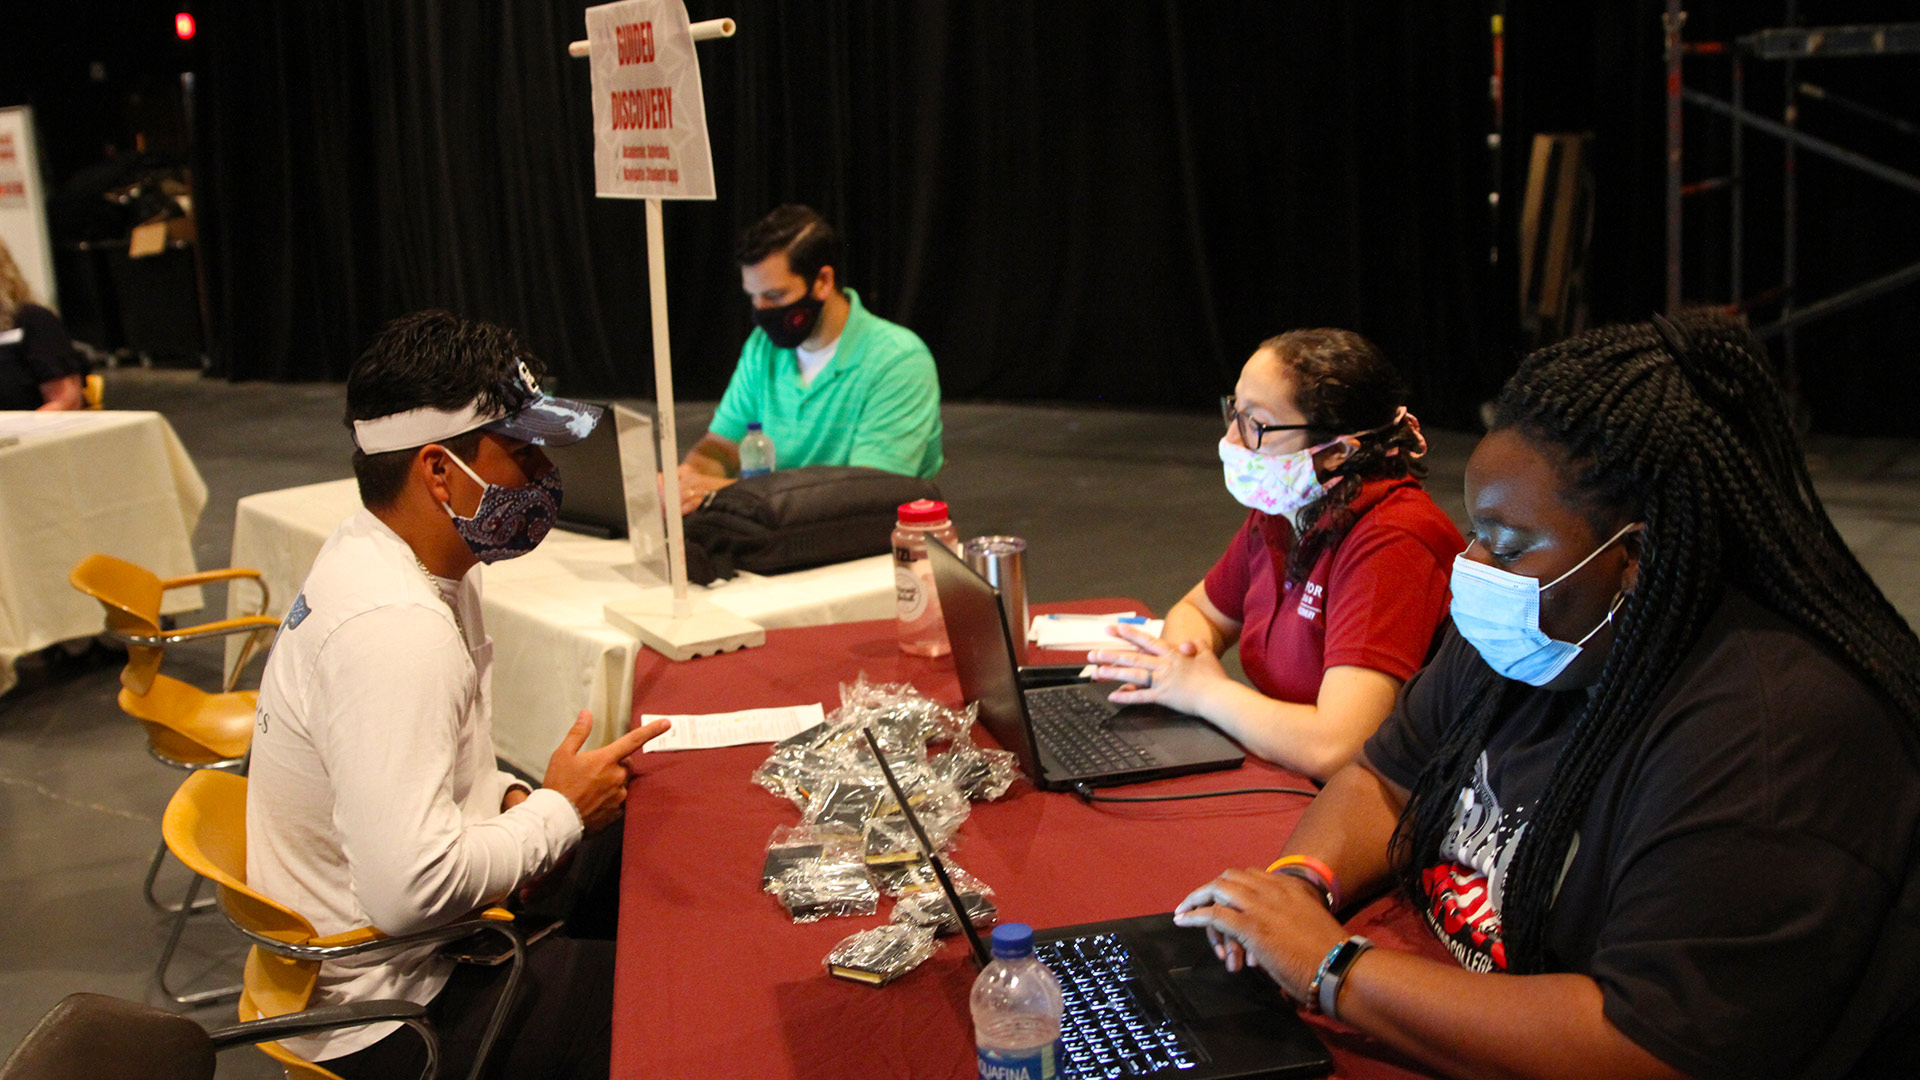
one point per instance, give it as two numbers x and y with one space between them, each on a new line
596 501
983 653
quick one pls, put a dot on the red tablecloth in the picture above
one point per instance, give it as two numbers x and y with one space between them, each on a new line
714 980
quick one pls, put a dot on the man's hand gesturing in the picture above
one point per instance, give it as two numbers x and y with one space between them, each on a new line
595 781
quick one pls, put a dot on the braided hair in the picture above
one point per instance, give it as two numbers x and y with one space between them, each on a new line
1341 385
1682 427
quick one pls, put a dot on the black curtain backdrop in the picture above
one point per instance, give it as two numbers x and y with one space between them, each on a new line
1096 202
1099 202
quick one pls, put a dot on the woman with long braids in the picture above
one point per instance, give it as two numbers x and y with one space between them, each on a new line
1337 580
1663 773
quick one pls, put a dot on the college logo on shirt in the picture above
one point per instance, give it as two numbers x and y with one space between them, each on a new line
1464 894
298 612
1311 593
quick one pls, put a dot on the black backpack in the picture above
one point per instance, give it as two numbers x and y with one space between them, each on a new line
795 518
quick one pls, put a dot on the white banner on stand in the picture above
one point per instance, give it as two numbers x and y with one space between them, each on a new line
23 206
649 117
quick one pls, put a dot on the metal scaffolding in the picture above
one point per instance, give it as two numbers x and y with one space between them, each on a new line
1784 45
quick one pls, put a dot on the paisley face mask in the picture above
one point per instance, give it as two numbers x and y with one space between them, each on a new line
510 521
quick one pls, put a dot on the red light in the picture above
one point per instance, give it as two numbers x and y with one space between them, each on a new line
183 26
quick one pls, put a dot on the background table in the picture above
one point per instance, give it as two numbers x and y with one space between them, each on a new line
713 979
77 483
554 651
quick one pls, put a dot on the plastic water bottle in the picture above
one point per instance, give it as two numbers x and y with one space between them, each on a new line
1016 1010
756 452
923 629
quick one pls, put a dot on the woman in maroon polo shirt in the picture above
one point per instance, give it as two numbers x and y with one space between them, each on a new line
1337 581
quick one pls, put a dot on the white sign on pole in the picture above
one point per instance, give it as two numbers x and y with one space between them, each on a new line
649 118
23 206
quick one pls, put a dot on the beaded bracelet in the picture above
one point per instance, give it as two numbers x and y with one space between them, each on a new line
1311 1001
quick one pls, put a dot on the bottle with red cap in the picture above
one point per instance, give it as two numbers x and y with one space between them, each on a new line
923 630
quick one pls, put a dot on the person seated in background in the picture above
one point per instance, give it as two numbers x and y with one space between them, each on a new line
1337 580
39 367
374 797
830 382
1658 791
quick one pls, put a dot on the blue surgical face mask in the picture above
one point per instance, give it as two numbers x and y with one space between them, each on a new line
510 521
1498 612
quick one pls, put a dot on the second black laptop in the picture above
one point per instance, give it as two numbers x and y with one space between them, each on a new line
1068 735
1144 998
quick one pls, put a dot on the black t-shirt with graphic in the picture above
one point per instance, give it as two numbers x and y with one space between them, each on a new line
35 350
1744 886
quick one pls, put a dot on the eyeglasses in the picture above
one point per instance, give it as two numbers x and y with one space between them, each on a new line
1251 430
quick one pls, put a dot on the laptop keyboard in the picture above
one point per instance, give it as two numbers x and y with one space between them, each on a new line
1070 724
1108 1031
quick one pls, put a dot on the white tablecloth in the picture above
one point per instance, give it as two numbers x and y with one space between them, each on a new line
77 483
554 652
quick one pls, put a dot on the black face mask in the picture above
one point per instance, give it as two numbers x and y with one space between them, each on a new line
790 324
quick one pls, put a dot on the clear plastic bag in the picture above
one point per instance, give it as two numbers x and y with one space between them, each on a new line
923 903
976 772
819 889
853 838
846 802
795 847
902 718
880 955
796 773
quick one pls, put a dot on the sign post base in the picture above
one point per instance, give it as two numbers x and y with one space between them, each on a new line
702 630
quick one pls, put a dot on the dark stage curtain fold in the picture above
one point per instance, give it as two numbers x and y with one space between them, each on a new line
1096 202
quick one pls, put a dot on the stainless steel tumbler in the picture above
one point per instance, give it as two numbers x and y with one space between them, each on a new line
1002 560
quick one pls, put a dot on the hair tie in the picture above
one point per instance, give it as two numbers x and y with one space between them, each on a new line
1413 425
1677 342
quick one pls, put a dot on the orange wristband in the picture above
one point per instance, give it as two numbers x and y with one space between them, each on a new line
1327 882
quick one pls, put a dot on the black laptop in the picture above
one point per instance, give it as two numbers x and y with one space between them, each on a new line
595 498
1146 998
1065 735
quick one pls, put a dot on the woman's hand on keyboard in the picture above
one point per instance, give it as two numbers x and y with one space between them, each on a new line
1180 676
1275 922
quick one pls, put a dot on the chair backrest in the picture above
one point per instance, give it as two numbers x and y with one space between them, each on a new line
131 596
206 829
94 1037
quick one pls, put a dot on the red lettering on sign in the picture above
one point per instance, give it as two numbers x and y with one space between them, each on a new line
634 43
650 109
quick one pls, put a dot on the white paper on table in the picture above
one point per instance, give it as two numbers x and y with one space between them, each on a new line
1074 633
708 730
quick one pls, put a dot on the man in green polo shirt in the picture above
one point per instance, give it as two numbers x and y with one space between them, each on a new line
830 382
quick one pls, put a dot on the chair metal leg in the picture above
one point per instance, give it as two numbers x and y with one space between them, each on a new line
505 1004
180 916
153 873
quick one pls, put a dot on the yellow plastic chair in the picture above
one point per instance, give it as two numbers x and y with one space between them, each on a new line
186 727
131 596
206 828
